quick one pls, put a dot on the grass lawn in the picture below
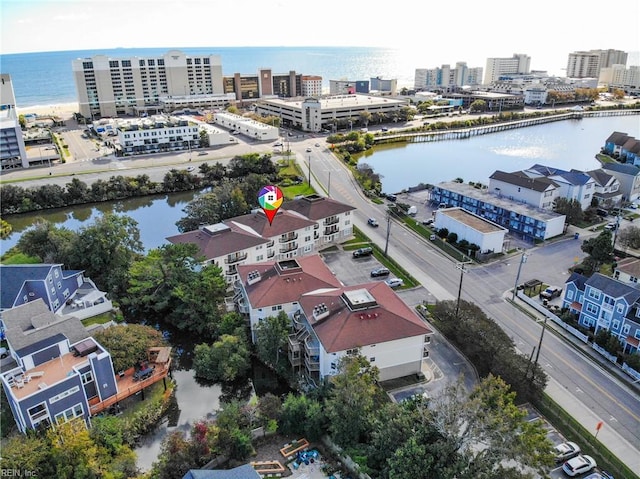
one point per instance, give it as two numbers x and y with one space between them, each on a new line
290 192
11 257
100 319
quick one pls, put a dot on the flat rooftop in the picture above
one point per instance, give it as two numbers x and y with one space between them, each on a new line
339 101
471 220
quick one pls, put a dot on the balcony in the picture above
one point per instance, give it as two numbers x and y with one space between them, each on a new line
331 221
288 238
312 363
287 249
316 235
270 244
331 231
235 258
271 253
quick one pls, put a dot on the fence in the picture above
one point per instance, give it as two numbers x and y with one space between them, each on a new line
540 308
605 353
631 372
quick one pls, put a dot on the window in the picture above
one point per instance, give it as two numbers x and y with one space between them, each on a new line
276 308
625 329
372 359
620 308
259 257
87 377
307 238
609 301
352 352
56 273
68 414
570 294
592 308
38 413
616 324
59 285
64 394
594 293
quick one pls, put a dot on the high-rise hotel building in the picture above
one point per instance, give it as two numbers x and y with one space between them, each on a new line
589 64
518 63
111 87
12 150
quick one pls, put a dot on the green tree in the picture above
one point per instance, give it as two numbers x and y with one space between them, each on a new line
570 208
30 452
170 283
203 210
599 249
272 336
352 399
302 415
365 118
106 250
76 192
225 360
234 438
629 237
47 242
128 343
478 106
74 453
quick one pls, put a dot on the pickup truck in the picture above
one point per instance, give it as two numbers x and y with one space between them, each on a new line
551 292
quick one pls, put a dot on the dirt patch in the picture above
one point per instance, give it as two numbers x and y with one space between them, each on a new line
268 449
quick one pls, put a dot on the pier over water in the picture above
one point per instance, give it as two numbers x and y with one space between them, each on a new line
463 133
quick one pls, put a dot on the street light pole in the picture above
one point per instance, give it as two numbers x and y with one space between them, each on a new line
309 171
535 363
523 260
329 187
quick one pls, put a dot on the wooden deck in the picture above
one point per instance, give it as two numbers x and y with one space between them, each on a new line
127 386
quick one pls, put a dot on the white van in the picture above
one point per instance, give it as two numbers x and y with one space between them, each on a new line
412 211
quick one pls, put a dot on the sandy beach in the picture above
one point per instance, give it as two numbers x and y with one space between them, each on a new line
63 110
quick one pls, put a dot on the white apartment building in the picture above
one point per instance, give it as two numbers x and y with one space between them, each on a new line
157 134
445 76
246 126
13 153
587 64
518 63
110 87
316 114
488 236
311 85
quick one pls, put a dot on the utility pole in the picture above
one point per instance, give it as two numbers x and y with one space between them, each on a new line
462 269
386 244
329 188
309 171
523 260
535 363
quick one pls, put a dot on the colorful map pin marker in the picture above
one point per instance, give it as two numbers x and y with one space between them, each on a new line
270 199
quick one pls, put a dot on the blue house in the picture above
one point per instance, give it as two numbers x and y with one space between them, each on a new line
63 291
59 367
602 302
613 144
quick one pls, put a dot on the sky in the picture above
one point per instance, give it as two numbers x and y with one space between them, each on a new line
471 31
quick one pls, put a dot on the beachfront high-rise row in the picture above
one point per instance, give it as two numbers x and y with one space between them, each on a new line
112 87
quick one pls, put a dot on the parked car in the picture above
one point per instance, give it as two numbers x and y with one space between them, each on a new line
362 252
599 475
191 168
317 145
309 150
392 197
551 292
394 282
427 222
203 153
578 465
373 222
277 144
611 227
565 451
382 271
4 353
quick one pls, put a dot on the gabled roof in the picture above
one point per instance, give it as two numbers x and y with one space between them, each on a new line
630 144
601 177
520 179
613 287
257 223
630 266
544 170
281 282
219 240
32 322
622 168
577 279
617 138
574 177
315 207
13 277
385 317
245 471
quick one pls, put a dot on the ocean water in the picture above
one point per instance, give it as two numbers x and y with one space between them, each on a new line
46 78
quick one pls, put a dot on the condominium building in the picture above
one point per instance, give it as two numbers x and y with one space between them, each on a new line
618 76
311 85
587 64
12 151
447 77
518 63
